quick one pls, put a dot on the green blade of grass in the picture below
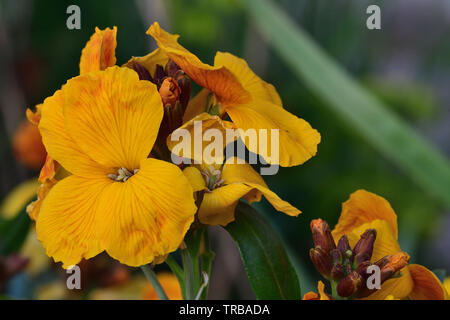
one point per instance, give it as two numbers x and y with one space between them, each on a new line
384 130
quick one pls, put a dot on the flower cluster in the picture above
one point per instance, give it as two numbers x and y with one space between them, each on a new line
108 182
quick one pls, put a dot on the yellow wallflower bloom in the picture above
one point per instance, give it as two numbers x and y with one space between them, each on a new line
224 185
238 92
118 200
365 210
98 54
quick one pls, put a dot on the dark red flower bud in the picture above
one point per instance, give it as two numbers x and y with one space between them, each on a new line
349 285
337 272
364 247
321 261
141 71
322 235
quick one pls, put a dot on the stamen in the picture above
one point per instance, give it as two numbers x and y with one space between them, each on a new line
212 178
123 174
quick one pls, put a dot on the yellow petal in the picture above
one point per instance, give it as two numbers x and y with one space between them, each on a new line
148 215
150 61
99 52
321 289
257 87
217 207
113 116
197 105
297 139
426 285
68 224
34 207
195 177
217 79
204 122
385 244
59 144
363 207
235 172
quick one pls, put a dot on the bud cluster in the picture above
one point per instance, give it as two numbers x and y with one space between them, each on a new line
347 267
174 87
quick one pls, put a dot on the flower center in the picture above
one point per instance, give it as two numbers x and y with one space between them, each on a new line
212 178
123 174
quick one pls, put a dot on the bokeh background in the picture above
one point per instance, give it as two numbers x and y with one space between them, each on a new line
406 64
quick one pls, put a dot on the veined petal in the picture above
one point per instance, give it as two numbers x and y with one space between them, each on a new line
217 79
113 116
257 87
150 61
217 207
59 144
68 225
385 244
234 172
195 177
148 215
297 139
426 285
204 123
100 51
363 207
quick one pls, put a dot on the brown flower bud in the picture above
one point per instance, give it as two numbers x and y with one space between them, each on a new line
170 91
171 68
140 70
391 264
364 247
344 247
337 272
322 235
184 82
336 256
321 261
349 285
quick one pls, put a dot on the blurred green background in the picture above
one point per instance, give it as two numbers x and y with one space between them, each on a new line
406 64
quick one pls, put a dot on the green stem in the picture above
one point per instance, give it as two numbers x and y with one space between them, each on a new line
177 271
151 276
188 274
334 290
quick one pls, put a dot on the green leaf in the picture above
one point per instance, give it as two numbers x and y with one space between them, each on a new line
268 267
361 110
14 232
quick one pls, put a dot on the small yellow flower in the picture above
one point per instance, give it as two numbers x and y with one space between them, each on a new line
365 210
231 88
224 185
101 127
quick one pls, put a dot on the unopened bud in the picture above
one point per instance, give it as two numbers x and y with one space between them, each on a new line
322 235
391 264
171 68
344 247
364 247
349 285
321 261
170 91
337 271
141 71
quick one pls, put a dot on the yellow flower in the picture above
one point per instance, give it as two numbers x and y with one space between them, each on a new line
98 54
447 286
365 210
231 88
101 127
317 296
224 185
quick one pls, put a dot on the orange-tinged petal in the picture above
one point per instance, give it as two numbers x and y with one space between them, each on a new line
426 285
113 116
195 177
34 207
48 170
59 144
363 207
100 51
310 296
34 117
196 128
217 79
297 140
148 215
257 87
385 244
68 224
150 61
321 289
